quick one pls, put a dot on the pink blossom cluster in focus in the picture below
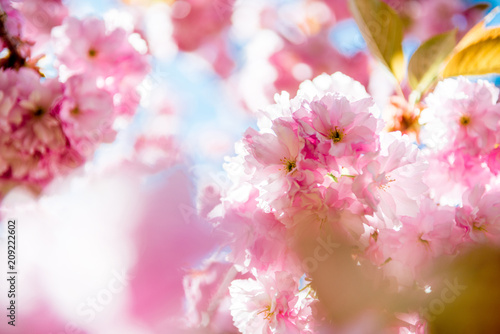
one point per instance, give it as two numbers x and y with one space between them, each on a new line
320 186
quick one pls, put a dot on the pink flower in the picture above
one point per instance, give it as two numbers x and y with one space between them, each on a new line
276 152
40 17
86 108
87 114
269 304
431 233
32 141
208 296
433 229
479 214
344 129
39 127
493 161
326 206
13 20
390 182
319 164
451 173
462 115
8 98
85 46
257 239
277 162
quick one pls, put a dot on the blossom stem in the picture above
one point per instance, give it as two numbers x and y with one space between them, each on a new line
14 59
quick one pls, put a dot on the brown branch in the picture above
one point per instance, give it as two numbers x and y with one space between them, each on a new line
14 59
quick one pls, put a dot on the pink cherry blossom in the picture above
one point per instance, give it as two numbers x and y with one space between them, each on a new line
51 125
13 21
257 239
40 16
87 46
459 129
344 129
33 141
316 210
452 172
276 159
208 299
493 161
391 182
324 220
479 214
431 233
269 304
462 115
85 107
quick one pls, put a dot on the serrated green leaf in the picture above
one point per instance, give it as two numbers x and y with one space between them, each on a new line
382 30
426 62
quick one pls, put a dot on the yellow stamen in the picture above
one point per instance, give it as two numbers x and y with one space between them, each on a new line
465 120
267 312
336 135
476 227
290 165
386 185
92 53
75 111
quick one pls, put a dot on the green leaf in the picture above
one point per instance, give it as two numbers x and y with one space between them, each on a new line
426 62
478 52
382 30
477 59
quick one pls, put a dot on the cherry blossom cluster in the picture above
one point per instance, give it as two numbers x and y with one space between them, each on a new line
51 124
460 132
320 178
